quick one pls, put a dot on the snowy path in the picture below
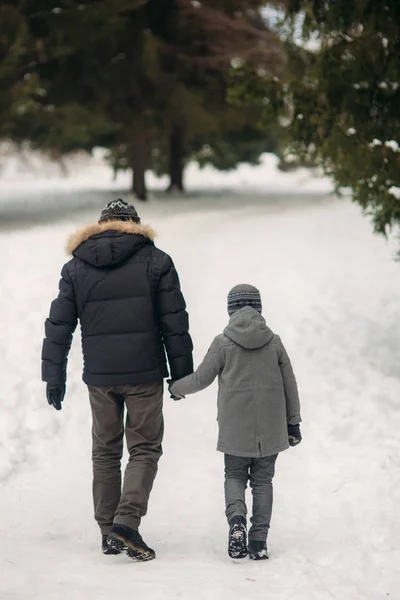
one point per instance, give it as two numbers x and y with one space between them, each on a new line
330 289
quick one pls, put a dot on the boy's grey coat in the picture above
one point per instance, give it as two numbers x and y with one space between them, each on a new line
257 395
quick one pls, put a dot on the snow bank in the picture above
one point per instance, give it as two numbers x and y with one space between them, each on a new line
28 171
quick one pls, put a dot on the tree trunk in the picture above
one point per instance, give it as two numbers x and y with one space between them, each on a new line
139 157
175 159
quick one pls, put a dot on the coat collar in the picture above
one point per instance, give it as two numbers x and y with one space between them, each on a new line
83 234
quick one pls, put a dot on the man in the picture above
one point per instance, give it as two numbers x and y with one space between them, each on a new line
127 296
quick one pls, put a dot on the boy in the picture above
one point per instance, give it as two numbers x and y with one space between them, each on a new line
258 414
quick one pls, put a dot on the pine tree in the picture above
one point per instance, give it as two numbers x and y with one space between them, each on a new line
340 95
200 43
15 90
91 72
145 79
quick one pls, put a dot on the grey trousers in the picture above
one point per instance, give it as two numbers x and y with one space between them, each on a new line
143 431
260 472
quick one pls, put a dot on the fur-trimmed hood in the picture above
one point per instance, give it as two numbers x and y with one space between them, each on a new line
83 234
110 243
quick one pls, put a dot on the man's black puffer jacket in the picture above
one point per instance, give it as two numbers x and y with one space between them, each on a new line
127 296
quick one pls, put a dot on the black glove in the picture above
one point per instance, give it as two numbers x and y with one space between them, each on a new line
294 434
170 384
55 394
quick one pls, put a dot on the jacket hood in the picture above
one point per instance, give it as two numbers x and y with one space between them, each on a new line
248 329
110 243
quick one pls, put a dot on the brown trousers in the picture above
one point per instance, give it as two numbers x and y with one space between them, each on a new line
143 430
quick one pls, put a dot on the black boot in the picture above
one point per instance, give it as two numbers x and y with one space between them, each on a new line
237 545
106 548
258 550
124 538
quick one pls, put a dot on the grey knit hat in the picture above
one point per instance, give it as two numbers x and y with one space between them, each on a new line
244 295
120 210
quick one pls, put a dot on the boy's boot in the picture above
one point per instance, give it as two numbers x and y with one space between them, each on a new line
258 550
106 548
124 538
237 545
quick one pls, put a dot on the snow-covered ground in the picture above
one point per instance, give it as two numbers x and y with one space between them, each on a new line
330 289
83 172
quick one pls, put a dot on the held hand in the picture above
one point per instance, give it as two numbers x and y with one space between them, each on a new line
173 396
294 435
55 395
